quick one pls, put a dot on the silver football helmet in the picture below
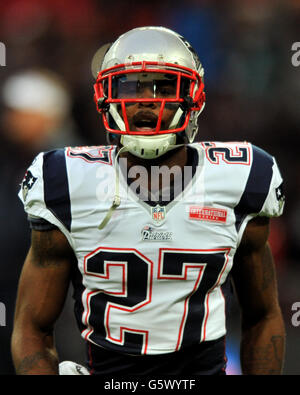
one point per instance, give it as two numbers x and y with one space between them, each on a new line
150 66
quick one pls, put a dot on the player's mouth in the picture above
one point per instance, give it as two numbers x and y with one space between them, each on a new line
145 122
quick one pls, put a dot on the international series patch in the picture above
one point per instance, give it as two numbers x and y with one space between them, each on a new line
211 214
27 183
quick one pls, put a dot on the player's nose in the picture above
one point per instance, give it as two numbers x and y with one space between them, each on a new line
147 93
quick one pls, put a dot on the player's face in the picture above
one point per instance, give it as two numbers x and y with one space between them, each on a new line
143 116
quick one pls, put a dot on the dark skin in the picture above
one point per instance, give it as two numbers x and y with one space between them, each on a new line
47 272
42 291
254 278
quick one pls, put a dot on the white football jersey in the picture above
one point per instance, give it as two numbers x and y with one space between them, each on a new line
153 280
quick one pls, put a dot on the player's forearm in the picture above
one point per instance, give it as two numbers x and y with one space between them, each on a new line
263 347
34 354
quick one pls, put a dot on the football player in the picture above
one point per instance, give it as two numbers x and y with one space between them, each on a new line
151 229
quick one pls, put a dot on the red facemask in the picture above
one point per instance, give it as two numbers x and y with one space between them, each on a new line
167 87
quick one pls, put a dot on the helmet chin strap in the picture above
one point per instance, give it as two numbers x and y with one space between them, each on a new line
117 200
130 147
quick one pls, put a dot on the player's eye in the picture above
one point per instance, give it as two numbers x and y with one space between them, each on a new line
121 88
165 91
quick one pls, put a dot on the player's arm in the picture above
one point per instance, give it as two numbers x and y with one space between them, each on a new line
263 333
42 291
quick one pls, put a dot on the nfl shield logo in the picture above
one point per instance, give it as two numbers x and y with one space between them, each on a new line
158 213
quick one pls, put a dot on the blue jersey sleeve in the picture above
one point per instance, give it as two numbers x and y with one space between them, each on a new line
44 193
263 193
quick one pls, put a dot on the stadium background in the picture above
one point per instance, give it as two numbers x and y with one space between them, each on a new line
253 94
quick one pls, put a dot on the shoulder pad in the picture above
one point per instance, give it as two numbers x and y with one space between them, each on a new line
45 191
263 194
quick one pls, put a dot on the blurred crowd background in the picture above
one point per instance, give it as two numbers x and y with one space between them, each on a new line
46 89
